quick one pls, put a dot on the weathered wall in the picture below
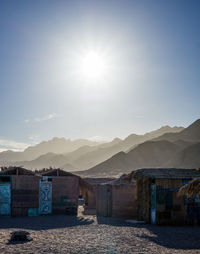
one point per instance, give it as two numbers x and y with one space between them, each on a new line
25 191
124 204
104 200
116 201
143 199
65 192
89 197
171 208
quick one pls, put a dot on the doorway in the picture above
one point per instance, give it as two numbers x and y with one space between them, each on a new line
45 196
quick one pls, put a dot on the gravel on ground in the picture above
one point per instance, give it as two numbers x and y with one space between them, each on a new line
91 234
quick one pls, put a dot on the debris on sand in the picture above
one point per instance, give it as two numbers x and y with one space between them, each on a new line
22 236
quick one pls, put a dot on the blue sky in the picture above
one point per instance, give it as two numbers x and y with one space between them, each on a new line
152 49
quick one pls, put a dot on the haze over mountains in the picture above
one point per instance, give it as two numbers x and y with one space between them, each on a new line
165 147
55 145
181 149
76 155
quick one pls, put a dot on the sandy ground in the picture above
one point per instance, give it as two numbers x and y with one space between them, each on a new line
88 234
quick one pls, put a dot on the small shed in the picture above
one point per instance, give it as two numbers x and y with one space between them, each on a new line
19 190
26 193
65 191
116 199
157 196
89 193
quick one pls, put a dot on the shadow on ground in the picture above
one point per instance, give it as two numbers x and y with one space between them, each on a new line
43 222
185 238
178 238
112 222
172 237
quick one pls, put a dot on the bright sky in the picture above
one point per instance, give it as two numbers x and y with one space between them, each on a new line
80 69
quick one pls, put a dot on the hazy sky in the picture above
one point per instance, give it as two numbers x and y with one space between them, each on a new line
151 53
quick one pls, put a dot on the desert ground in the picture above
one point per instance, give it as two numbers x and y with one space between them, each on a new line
91 234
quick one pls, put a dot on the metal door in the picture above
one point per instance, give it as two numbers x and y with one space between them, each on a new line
45 197
153 203
5 199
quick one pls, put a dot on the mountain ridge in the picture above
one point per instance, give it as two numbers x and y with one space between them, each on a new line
171 149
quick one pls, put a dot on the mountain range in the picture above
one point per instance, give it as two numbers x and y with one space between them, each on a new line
166 147
76 155
178 149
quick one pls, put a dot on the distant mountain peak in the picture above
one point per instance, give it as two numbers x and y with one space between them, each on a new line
116 140
195 124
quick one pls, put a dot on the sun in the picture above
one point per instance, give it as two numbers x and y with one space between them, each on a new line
93 65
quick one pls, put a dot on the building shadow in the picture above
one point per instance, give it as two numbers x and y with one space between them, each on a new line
113 221
43 222
172 237
185 238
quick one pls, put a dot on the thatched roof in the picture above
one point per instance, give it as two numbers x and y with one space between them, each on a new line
191 189
16 171
166 173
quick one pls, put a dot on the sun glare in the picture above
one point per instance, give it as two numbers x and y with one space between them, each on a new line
93 65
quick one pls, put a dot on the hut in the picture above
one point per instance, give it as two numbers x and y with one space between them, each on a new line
19 190
192 189
66 188
25 193
89 194
157 196
116 199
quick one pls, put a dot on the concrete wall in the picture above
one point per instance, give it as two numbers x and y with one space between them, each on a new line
124 204
25 191
65 193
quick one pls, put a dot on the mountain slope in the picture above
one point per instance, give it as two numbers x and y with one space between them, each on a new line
148 154
189 157
107 150
55 145
80 154
46 161
190 134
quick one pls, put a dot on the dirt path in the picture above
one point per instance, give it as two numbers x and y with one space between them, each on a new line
67 234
